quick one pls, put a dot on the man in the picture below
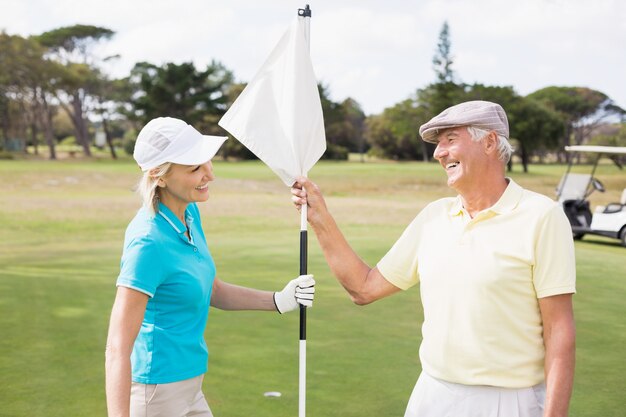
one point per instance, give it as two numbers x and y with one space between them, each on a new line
496 271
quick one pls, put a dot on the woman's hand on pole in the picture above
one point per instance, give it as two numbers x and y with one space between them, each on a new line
299 291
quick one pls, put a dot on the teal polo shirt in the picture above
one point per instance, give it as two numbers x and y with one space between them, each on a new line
177 274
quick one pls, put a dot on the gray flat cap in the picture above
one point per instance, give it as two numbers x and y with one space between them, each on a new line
481 114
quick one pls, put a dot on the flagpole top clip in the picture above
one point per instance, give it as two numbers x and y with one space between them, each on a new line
306 12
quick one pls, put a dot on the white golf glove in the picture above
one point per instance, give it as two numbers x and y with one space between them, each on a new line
298 291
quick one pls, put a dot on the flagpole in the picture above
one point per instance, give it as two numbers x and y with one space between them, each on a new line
290 136
302 361
306 13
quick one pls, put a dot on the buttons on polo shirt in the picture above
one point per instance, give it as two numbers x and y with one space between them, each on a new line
197 253
466 238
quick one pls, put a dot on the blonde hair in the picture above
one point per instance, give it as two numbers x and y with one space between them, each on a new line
505 150
147 187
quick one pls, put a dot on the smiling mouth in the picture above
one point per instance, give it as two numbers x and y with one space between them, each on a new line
203 187
452 165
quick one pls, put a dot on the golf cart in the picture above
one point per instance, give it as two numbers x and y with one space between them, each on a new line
573 192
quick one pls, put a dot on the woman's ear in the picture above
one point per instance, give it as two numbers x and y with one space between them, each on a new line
160 182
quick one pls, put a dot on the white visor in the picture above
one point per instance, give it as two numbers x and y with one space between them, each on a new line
169 140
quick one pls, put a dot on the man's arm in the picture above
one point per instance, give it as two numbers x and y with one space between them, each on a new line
559 336
364 284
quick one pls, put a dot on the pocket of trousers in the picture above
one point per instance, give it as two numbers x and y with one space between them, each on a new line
150 393
539 392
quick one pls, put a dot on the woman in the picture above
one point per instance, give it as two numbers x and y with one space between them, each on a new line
156 355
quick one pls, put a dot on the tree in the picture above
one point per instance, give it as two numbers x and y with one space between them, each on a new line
199 97
73 43
379 136
25 84
611 135
75 91
18 57
181 91
581 109
433 99
49 75
71 46
444 92
394 133
442 61
343 123
110 97
355 121
535 127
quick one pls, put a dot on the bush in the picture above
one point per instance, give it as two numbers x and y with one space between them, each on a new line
233 149
129 146
68 141
336 152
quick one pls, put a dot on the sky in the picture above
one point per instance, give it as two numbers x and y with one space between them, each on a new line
377 52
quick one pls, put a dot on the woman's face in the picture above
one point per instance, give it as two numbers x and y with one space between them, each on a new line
184 184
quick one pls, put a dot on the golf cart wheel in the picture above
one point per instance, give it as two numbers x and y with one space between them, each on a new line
578 236
622 236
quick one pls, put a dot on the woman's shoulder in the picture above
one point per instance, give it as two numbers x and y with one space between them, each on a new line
143 227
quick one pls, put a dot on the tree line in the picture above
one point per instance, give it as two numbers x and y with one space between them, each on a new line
53 88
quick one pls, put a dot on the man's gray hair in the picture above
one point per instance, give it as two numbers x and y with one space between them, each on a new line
505 150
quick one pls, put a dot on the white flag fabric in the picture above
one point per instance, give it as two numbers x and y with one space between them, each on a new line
278 116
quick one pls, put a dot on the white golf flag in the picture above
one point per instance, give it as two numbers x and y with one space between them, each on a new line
278 116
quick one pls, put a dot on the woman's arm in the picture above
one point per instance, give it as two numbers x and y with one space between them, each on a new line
227 296
126 318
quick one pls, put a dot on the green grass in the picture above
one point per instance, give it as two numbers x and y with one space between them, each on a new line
62 230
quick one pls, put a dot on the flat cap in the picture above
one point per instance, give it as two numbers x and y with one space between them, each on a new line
481 114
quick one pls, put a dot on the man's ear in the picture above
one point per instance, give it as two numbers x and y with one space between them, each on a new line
490 143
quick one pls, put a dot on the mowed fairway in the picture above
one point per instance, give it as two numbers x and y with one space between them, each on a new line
62 227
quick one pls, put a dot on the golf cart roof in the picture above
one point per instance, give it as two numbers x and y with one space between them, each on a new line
597 149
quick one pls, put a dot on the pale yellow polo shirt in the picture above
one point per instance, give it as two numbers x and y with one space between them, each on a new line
480 280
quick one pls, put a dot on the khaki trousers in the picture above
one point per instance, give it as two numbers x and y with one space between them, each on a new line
432 397
176 399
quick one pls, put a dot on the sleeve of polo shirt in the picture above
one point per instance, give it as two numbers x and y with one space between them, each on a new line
554 271
140 266
399 265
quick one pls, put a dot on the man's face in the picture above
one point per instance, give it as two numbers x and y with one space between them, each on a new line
462 158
